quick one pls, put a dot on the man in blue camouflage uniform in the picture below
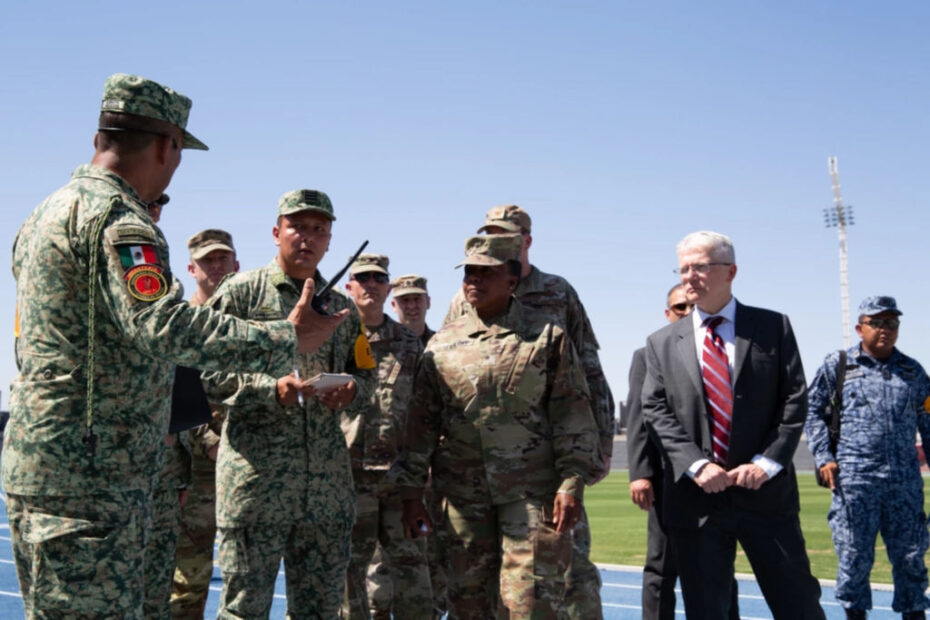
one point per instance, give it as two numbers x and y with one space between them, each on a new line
875 473
101 324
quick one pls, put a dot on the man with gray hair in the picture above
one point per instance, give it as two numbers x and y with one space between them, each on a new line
726 397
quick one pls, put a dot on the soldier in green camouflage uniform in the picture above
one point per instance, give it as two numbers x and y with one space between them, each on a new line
169 496
410 302
501 419
101 325
283 480
212 257
374 437
556 300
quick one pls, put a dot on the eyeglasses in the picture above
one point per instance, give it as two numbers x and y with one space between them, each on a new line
882 323
380 278
682 307
700 268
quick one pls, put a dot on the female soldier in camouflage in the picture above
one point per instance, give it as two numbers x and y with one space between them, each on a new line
501 420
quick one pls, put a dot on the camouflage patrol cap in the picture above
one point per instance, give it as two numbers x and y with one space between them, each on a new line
370 262
131 94
209 240
509 217
306 200
877 305
410 284
492 250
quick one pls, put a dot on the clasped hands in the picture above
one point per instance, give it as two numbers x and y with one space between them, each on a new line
713 479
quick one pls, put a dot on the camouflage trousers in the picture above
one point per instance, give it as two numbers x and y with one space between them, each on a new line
379 521
193 561
864 506
159 551
316 555
80 556
380 589
583 598
506 554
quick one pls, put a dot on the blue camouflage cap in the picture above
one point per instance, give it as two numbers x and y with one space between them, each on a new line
132 94
877 305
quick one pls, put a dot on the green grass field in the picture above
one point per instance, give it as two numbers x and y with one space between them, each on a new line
618 528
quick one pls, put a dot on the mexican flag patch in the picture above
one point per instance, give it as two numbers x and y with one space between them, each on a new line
132 255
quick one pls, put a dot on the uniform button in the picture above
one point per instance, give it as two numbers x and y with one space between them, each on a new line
47 373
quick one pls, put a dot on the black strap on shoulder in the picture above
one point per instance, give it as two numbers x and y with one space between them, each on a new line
836 403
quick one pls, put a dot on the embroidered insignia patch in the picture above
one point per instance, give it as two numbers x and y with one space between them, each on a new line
146 283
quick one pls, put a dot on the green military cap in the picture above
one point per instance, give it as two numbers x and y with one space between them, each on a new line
410 284
131 94
306 200
370 262
209 240
492 250
509 217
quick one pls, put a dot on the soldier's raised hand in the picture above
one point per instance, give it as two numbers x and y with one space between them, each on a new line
313 328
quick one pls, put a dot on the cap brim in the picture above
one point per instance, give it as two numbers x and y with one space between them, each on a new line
201 252
410 290
481 259
368 269
190 142
324 212
508 226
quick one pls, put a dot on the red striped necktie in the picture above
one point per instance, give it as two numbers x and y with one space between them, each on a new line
715 370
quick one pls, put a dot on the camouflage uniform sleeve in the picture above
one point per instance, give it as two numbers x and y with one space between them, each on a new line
457 307
204 439
923 408
818 398
409 472
232 390
365 378
155 318
602 401
574 430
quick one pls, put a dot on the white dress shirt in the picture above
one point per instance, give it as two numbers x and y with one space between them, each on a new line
727 332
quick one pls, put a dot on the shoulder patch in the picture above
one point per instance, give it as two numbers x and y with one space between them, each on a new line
130 234
927 404
146 283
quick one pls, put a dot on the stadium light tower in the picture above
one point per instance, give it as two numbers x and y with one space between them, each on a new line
840 216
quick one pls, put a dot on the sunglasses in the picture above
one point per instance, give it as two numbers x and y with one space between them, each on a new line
380 278
682 307
883 323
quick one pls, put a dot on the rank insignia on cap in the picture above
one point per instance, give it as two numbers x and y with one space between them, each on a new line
927 404
146 283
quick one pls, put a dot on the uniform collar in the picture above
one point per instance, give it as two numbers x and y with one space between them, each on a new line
280 279
509 321
92 171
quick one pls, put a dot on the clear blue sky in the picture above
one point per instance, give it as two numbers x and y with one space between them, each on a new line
618 126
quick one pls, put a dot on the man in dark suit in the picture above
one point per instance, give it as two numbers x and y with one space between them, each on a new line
726 397
661 569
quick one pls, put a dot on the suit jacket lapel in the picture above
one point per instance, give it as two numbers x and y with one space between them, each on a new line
744 328
688 352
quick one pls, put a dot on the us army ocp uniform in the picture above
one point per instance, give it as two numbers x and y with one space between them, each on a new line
501 420
374 436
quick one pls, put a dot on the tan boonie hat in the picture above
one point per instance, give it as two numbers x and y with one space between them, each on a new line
131 94
492 250
509 217
208 240
306 200
370 262
410 284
